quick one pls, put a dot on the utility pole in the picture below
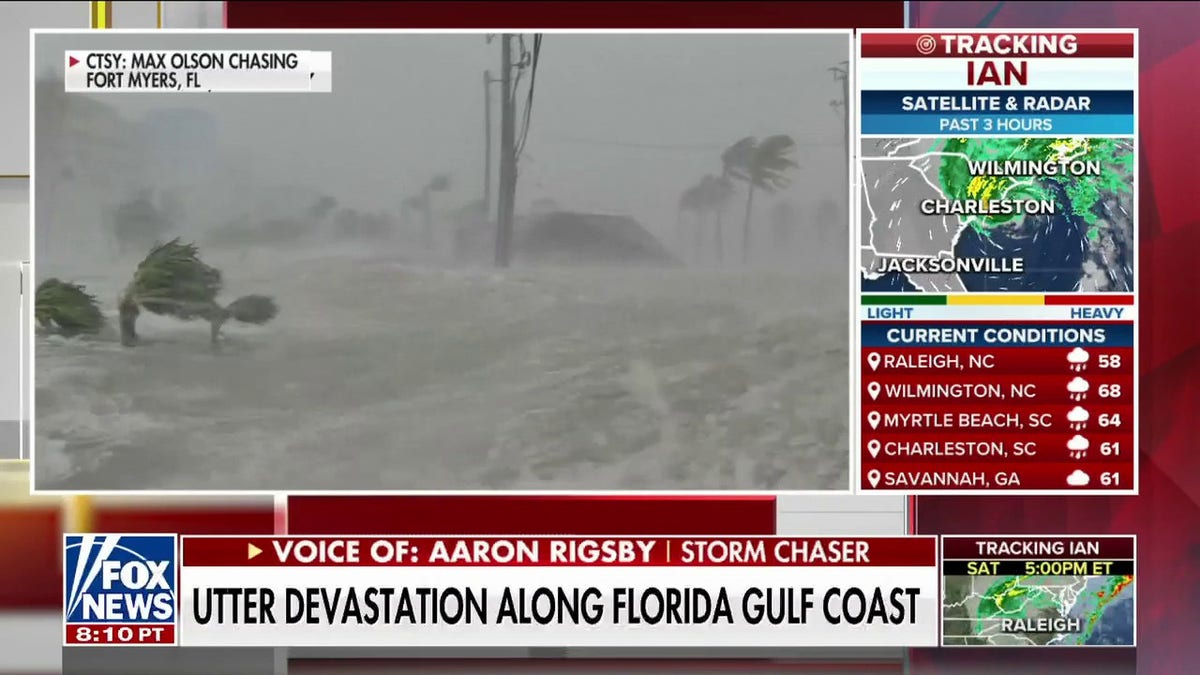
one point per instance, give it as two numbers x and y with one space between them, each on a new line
487 143
846 109
508 159
842 73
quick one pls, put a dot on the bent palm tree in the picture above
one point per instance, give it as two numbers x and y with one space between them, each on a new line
716 191
439 183
762 165
784 217
67 309
691 203
173 281
734 161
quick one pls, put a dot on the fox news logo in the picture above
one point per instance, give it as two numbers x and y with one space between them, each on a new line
117 588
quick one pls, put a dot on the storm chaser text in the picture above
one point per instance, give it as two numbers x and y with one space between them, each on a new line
214 60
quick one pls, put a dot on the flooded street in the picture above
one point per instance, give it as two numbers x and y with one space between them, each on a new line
378 375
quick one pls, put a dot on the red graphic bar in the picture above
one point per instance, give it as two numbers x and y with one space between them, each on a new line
985 547
987 419
184 519
575 14
31 551
1065 389
932 445
558 552
1111 299
1017 44
119 634
984 477
920 362
515 514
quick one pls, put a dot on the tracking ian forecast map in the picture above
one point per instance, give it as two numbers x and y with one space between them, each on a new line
1038 610
1034 215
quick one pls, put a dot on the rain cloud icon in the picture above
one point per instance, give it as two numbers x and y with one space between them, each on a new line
1078 417
1078 358
1078 389
1078 447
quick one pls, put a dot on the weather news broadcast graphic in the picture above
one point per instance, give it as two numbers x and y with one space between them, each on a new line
565 320
119 589
219 71
556 591
1037 591
998 348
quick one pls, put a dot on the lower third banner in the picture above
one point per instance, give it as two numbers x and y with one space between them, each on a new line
558 591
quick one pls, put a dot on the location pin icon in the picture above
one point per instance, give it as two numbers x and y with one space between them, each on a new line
873 360
873 390
873 418
873 447
873 477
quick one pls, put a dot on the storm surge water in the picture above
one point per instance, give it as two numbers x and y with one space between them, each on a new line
379 375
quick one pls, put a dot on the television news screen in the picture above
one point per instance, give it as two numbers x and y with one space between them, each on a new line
617 337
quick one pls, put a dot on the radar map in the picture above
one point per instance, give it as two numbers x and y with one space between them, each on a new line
1064 610
1034 215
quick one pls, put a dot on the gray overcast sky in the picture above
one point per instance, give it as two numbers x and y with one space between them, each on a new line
621 123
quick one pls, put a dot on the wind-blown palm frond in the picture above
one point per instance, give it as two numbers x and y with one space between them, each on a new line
67 308
255 309
715 191
736 159
439 183
690 199
761 165
770 162
173 281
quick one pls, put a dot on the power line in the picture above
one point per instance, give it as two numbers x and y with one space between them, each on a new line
533 66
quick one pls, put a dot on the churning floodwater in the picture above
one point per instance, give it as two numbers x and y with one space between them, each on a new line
381 375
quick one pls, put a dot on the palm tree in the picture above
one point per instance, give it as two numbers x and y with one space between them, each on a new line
762 165
67 309
690 203
172 281
784 217
733 161
704 201
716 191
321 208
439 183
